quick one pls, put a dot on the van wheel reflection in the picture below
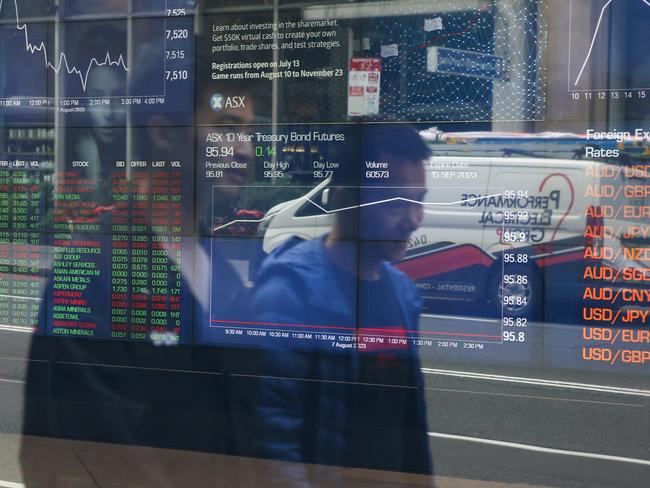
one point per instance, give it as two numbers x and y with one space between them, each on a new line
517 290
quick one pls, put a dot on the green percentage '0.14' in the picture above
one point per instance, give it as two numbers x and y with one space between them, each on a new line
261 151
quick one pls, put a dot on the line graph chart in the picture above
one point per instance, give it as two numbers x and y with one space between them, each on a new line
593 40
306 199
62 61
443 208
99 56
605 45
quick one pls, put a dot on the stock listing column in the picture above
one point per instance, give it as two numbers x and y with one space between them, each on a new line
120 240
121 210
74 307
147 283
615 312
22 243
120 257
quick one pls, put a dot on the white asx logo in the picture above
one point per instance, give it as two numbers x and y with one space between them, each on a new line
218 102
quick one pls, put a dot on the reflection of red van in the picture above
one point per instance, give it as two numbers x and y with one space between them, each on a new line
502 233
247 226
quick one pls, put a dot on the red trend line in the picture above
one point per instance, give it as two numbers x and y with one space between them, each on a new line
470 25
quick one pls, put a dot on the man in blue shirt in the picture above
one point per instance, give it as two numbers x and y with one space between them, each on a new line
363 405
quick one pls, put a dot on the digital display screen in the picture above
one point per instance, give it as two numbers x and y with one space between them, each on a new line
401 186
118 177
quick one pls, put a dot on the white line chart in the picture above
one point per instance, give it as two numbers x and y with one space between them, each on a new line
594 38
352 207
593 41
62 62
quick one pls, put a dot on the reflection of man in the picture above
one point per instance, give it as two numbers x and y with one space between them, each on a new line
97 136
366 408
107 122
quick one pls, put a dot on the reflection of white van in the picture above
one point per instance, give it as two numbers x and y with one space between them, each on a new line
478 208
